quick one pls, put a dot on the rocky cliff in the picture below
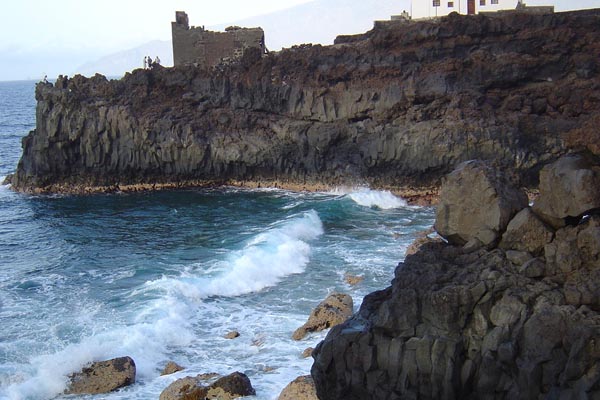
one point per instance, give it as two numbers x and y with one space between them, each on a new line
399 105
507 308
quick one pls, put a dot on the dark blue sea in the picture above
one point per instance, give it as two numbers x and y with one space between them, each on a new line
164 276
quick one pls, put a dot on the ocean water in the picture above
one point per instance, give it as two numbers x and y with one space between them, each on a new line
164 276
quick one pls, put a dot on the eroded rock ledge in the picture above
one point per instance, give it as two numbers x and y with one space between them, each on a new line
514 316
398 106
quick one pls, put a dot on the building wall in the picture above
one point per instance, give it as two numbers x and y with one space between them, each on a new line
198 46
426 8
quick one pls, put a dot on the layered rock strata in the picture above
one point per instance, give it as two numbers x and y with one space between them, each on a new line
400 105
518 321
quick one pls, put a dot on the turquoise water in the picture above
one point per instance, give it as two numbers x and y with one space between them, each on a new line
164 276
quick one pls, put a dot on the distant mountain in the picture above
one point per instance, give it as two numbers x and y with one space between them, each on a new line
319 21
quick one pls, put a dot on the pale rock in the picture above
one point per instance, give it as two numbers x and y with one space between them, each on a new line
301 388
334 310
103 377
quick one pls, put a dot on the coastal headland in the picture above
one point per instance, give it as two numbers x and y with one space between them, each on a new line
396 107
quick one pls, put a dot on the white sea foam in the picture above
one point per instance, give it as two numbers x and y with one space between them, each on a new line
265 260
146 342
3 187
366 197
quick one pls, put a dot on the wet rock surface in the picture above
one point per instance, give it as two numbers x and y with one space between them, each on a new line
520 321
400 105
229 387
301 388
334 310
103 377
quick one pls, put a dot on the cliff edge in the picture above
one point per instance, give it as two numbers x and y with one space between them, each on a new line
507 307
399 105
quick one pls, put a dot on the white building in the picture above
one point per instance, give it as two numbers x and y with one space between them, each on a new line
439 8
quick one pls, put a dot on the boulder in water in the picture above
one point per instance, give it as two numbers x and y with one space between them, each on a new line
228 387
103 377
171 368
301 388
334 310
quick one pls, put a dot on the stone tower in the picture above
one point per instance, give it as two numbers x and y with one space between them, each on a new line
203 48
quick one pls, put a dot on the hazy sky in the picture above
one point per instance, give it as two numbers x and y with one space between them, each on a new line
40 37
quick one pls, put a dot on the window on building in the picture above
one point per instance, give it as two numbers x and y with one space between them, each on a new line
450 4
482 2
436 3
494 2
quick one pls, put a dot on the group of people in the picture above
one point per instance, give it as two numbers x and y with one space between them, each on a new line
148 63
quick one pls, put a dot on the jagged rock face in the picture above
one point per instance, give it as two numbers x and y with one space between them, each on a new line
517 322
402 104
103 377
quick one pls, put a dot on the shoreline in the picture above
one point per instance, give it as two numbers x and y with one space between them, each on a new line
419 196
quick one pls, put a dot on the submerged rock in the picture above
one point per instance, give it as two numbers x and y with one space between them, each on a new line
103 377
334 310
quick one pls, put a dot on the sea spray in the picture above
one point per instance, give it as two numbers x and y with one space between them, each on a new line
105 276
264 261
363 196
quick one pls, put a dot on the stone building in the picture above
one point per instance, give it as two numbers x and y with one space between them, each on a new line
204 48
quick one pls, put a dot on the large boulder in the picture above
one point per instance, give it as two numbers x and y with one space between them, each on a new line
103 377
228 387
526 232
476 204
569 187
301 388
334 310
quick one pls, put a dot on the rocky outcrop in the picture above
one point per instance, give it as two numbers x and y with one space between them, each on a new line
229 387
171 367
476 205
301 388
103 377
569 188
334 310
520 321
400 105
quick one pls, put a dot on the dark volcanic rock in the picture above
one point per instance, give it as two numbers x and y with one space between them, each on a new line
488 324
401 104
476 204
569 188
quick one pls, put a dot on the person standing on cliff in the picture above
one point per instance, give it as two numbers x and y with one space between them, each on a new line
157 61
145 62
149 60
